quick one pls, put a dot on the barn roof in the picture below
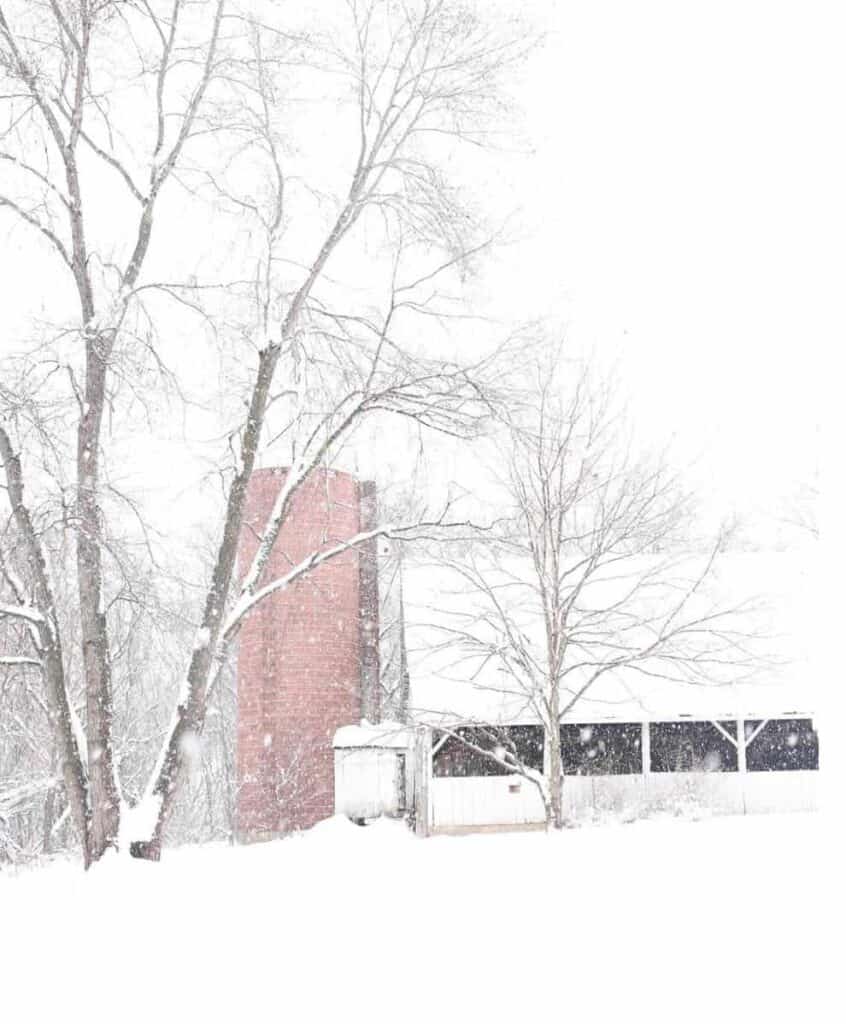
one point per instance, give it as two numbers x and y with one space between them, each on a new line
455 681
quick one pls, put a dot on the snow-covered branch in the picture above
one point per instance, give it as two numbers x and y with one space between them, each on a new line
18 661
22 611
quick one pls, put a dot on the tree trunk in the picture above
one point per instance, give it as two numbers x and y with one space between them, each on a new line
554 777
208 658
190 714
553 765
50 650
103 794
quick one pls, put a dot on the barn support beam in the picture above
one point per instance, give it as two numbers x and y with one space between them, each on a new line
741 761
645 749
422 769
645 758
748 739
733 740
741 743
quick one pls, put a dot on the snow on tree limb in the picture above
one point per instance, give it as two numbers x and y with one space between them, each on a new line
250 598
19 661
22 611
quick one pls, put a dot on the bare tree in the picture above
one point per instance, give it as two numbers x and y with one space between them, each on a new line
209 82
801 511
594 572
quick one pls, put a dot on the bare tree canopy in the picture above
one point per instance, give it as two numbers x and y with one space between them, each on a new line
592 571
168 162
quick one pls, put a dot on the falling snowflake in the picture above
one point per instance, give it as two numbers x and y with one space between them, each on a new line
191 749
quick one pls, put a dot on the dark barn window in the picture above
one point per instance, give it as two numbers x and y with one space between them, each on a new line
602 749
692 747
783 745
456 758
528 744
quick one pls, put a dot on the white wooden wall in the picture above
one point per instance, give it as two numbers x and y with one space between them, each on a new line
367 782
486 800
491 800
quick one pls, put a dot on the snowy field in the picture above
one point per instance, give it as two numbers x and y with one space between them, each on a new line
668 920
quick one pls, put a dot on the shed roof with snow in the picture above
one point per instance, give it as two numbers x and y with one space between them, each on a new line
382 735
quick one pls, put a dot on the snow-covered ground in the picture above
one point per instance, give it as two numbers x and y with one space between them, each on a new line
728 919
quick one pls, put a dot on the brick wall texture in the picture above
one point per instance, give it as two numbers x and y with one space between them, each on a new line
299 658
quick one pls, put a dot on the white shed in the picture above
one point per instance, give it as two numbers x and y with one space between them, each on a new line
371 777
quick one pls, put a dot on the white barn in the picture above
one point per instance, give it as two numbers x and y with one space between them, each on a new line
632 745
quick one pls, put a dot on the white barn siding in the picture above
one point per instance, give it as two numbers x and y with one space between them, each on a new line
584 796
768 792
489 800
484 800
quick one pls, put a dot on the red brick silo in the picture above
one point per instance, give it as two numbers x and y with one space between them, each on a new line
302 652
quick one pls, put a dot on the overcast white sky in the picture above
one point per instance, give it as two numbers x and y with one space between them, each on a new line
688 196
676 219
683 193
